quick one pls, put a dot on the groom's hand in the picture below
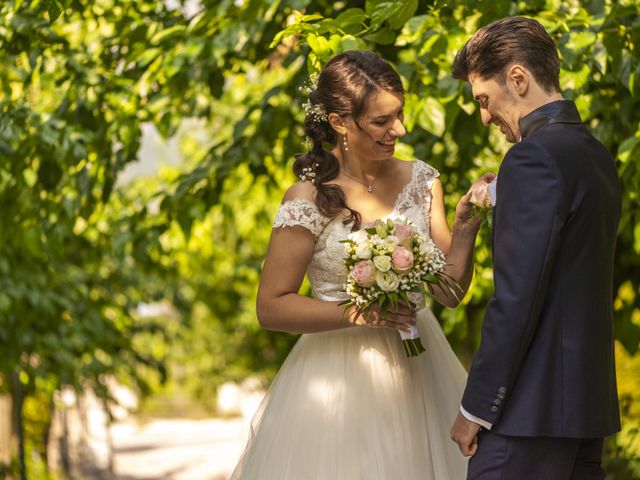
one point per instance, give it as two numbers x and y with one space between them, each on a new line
465 433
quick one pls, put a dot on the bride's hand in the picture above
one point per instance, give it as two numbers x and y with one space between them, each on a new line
397 319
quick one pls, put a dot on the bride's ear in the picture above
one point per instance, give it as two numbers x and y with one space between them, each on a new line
337 123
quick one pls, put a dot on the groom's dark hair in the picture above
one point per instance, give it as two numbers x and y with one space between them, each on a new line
507 41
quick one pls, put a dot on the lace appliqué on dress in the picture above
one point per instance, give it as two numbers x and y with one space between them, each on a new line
303 213
415 201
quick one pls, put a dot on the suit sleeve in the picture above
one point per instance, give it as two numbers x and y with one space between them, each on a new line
526 232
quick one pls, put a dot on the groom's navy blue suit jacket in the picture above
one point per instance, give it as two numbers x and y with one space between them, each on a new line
545 365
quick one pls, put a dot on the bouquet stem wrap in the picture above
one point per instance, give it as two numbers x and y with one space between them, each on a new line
411 341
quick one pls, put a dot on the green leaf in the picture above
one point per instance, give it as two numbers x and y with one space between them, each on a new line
49 173
628 334
398 19
432 116
147 56
626 148
351 16
600 56
216 82
414 29
300 26
349 42
383 37
320 46
30 177
636 235
381 11
170 33
54 8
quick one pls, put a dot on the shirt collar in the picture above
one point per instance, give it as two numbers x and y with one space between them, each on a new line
559 111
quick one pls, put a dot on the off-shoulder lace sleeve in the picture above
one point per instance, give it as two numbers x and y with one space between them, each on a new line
425 175
300 212
418 191
415 201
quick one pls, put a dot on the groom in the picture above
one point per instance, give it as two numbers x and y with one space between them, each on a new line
542 383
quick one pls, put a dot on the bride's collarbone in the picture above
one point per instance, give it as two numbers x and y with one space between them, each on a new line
381 200
371 205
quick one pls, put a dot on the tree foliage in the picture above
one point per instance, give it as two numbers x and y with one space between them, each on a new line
80 252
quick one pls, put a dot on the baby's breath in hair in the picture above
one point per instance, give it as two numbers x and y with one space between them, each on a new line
309 173
316 111
309 86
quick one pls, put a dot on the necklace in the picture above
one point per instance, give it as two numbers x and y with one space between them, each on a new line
368 185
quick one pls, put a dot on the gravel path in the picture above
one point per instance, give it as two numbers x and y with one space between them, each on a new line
178 449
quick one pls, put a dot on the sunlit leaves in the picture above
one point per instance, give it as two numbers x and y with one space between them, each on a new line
432 116
55 8
78 251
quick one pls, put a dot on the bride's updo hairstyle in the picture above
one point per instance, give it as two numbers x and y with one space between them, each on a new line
344 86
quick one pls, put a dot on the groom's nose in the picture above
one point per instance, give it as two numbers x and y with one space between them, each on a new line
486 117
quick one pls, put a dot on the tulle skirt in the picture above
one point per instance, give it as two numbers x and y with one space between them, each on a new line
349 405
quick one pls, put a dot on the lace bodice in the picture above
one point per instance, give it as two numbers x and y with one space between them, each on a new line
326 271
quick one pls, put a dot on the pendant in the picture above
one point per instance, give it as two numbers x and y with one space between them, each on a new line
370 188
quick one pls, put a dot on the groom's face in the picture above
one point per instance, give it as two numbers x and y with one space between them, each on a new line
498 105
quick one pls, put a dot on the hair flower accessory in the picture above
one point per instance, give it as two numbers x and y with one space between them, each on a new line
316 111
309 86
309 173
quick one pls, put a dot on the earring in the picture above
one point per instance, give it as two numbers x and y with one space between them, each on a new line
344 142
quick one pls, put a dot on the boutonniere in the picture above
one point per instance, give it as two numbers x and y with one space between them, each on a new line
483 198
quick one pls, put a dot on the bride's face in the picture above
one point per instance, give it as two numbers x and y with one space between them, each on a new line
376 131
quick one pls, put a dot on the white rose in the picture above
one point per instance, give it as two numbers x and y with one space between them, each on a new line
359 237
391 242
387 281
363 251
382 262
426 247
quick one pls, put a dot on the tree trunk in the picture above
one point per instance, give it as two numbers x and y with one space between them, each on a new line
8 439
17 420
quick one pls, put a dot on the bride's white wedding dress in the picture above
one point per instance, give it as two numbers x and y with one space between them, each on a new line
348 404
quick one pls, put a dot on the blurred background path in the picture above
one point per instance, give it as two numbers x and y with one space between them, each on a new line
178 449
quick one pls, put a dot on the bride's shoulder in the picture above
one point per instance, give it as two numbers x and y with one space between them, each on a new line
298 208
417 172
300 191
422 167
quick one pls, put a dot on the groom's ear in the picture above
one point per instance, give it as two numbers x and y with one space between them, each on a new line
337 123
519 77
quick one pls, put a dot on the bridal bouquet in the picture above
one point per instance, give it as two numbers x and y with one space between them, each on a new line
388 262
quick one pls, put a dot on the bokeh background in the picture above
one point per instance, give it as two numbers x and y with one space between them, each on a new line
144 148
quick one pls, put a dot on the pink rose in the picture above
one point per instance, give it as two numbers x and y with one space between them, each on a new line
364 273
403 233
480 194
402 260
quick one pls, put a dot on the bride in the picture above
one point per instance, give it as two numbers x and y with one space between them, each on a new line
347 403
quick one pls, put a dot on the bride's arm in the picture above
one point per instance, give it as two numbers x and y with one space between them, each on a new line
280 307
456 244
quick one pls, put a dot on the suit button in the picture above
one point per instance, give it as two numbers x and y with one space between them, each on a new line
494 409
502 390
497 401
500 396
